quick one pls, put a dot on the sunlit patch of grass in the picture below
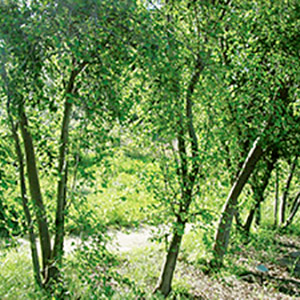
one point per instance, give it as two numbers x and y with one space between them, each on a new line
193 247
16 276
120 195
142 265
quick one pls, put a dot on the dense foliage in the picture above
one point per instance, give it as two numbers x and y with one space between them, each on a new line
119 114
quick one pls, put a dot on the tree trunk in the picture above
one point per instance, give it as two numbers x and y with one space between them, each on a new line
286 192
188 179
294 209
63 172
249 220
224 228
259 186
276 200
258 213
29 222
165 281
62 185
35 191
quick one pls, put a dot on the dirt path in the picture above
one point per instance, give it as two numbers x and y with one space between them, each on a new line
126 241
121 241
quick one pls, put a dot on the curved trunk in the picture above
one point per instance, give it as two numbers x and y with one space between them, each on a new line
29 222
20 158
224 228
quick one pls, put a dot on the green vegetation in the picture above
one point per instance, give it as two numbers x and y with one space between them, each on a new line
149 149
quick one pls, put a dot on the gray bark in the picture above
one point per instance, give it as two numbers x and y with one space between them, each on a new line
165 281
294 209
224 227
259 186
286 191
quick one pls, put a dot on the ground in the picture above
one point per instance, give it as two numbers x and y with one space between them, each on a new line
140 259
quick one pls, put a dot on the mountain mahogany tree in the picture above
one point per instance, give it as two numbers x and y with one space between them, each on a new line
268 87
47 66
186 34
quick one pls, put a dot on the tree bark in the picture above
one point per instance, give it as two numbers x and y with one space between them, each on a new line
165 281
62 186
224 228
259 186
3 229
294 209
29 221
286 192
35 191
57 253
63 169
187 178
276 200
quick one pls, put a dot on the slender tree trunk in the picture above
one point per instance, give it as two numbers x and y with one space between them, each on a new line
63 171
35 192
249 220
188 179
224 228
258 214
29 221
165 281
62 185
276 200
286 192
259 186
294 209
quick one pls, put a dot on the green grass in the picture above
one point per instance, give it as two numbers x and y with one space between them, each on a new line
16 278
120 195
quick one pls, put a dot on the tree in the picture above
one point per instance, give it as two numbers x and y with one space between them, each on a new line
181 58
44 79
280 91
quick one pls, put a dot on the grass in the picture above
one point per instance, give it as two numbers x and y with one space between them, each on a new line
120 195
85 274
93 274
16 278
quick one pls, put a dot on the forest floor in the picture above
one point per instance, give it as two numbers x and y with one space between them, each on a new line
246 282
278 282
242 279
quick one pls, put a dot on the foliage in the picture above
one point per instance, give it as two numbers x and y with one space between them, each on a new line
117 114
